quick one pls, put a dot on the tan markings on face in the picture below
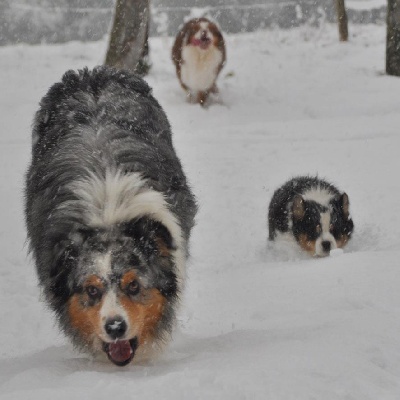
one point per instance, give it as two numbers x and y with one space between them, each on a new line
127 279
162 248
145 312
342 241
84 317
306 244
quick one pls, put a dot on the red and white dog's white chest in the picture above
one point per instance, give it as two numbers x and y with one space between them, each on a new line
200 67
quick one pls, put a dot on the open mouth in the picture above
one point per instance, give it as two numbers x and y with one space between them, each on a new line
121 352
203 42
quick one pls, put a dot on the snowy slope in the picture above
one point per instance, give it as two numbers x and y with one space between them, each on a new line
258 321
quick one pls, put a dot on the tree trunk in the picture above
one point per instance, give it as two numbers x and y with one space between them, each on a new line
342 20
128 47
393 38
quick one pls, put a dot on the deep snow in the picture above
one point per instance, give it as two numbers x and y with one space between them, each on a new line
258 321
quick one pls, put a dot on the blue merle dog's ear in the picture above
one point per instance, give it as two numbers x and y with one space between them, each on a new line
149 233
345 205
72 242
63 258
298 207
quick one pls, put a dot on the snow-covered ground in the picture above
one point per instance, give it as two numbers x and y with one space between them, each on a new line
257 322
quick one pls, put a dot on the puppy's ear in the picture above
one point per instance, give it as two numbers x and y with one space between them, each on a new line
298 207
148 232
345 205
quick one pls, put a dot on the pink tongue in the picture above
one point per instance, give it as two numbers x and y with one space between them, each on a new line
198 42
120 350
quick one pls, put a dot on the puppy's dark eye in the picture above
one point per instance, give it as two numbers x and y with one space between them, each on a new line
318 228
133 288
331 227
93 292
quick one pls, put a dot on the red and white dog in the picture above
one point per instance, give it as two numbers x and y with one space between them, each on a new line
199 55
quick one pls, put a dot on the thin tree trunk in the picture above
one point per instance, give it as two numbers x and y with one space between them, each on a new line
393 38
128 47
342 20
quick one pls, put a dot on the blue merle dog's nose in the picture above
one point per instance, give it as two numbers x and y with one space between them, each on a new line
115 327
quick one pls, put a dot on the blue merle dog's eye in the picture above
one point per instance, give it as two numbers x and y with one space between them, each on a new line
133 288
93 292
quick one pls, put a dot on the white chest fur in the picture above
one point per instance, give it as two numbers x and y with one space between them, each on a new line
199 67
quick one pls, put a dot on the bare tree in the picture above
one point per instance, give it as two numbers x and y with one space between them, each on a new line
393 38
342 20
128 47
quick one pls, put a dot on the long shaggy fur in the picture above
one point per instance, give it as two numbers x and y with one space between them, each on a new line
105 180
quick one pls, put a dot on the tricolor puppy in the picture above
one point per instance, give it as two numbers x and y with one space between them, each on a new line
313 212
199 55
108 213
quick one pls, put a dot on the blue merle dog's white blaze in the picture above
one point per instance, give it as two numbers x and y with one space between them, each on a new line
313 212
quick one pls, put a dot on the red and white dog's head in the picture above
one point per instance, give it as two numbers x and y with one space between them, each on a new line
203 33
